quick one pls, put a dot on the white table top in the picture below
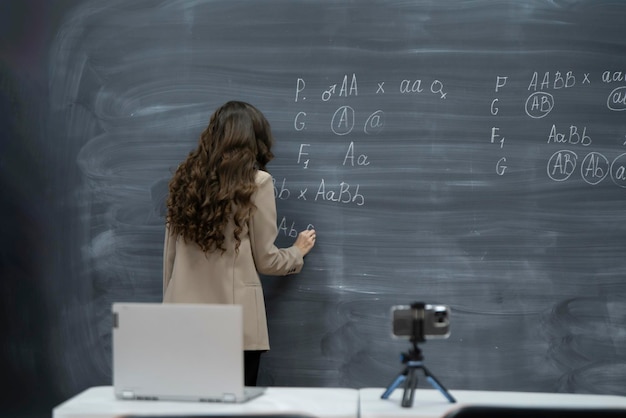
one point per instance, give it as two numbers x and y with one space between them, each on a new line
430 403
100 402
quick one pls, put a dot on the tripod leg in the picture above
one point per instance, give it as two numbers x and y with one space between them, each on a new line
410 385
438 385
397 382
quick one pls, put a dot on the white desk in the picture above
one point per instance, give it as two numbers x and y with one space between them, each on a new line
100 402
430 403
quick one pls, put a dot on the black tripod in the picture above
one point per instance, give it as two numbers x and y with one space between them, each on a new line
414 361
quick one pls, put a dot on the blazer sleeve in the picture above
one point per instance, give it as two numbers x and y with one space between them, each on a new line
269 259
169 254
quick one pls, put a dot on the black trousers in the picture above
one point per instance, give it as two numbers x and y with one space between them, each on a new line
251 360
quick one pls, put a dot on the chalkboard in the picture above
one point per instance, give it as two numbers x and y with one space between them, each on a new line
465 153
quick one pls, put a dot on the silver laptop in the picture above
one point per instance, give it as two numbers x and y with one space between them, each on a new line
186 352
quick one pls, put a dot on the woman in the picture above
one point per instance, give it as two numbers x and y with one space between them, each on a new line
221 225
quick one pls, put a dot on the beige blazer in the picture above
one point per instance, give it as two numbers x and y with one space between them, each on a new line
192 276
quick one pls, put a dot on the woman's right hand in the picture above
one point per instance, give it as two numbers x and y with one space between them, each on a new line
305 241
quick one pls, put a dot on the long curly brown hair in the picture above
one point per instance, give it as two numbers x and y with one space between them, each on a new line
214 185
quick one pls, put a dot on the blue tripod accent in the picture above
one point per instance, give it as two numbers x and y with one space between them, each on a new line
414 361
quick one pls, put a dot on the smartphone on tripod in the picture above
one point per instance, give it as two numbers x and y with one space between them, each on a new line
434 321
